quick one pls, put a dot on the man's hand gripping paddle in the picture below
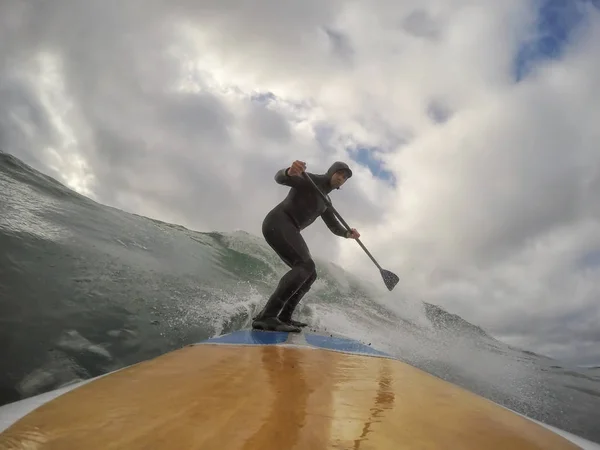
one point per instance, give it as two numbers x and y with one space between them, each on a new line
390 279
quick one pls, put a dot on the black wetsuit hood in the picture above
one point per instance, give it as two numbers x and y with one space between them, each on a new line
336 166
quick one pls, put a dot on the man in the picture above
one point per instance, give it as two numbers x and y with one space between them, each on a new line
281 229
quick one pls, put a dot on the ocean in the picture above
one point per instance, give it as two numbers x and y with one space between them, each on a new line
86 289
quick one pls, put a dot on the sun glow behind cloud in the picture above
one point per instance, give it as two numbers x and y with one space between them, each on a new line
64 156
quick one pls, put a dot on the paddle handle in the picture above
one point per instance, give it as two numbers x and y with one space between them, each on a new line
328 203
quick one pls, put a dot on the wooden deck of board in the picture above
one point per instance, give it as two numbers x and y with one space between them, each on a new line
270 397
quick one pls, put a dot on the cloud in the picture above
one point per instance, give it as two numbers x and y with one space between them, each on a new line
473 141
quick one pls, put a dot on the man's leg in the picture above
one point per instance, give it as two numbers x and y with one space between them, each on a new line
288 309
289 285
285 239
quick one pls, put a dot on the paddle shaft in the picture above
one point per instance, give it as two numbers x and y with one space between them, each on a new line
328 203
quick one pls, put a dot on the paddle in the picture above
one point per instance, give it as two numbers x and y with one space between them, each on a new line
390 279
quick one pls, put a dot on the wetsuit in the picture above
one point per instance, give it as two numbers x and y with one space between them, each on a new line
281 229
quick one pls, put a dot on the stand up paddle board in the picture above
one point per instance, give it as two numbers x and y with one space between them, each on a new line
265 390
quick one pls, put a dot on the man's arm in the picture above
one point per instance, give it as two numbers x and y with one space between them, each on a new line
282 177
333 224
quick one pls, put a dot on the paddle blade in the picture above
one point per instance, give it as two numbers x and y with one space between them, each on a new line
390 279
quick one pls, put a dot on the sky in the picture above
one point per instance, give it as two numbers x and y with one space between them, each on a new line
471 128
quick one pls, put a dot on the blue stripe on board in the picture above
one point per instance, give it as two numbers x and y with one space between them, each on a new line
251 337
254 337
336 343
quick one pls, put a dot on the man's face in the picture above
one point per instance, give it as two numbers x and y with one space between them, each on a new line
339 178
